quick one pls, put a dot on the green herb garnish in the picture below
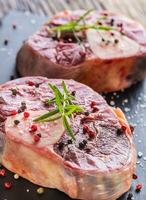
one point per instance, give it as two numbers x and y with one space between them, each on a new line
75 26
64 108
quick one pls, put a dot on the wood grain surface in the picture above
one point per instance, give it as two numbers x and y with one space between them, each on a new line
134 8
132 101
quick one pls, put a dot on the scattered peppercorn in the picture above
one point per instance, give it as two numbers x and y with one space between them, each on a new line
60 145
131 128
36 138
122 33
116 41
39 134
134 176
73 93
8 185
91 134
33 128
99 23
112 22
140 154
108 42
37 85
69 141
85 128
82 144
86 113
130 196
22 108
26 114
40 190
12 77
120 25
23 103
102 39
30 83
105 14
16 122
14 25
46 102
2 172
6 42
14 91
16 176
112 34
119 131
138 187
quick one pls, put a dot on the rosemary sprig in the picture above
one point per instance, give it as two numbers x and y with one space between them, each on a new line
64 108
75 26
82 17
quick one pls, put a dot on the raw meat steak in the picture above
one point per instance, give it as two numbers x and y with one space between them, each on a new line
105 60
98 165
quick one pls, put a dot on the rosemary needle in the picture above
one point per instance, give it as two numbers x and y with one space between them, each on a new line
64 108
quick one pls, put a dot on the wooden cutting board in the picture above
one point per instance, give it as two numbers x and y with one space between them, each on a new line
132 101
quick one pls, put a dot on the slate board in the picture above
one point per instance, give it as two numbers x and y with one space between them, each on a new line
132 101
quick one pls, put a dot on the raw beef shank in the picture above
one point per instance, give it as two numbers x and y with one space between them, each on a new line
109 57
99 164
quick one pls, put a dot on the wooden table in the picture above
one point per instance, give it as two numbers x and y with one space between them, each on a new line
132 101
133 8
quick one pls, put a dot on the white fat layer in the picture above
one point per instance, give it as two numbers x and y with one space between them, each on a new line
108 48
50 131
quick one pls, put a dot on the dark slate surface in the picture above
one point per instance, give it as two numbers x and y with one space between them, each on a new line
132 101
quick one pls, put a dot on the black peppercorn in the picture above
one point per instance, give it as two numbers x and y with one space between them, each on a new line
107 42
38 134
5 42
119 131
23 103
103 40
69 141
12 77
130 196
46 102
60 145
23 106
86 113
16 122
14 26
73 93
112 22
116 41
99 23
37 85
14 92
20 110
131 128
82 144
